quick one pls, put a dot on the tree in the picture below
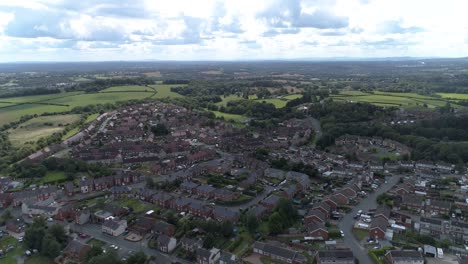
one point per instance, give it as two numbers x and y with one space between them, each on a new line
6 215
58 233
251 223
50 247
95 251
209 241
275 223
150 183
34 234
110 257
137 258
159 130
227 229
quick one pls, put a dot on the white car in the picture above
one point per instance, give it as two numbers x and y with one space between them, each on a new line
342 234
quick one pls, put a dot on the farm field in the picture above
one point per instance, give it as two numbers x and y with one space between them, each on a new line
230 98
409 100
278 102
39 127
454 96
233 117
125 88
164 90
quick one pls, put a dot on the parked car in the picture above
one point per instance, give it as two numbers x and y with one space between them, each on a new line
83 235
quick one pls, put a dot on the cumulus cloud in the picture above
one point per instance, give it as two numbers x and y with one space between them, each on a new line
187 29
395 27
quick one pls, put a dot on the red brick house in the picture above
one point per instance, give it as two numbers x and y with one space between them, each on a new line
315 216
318 231
76 251
162 199
378 228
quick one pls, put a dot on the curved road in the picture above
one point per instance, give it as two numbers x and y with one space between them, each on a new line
347 222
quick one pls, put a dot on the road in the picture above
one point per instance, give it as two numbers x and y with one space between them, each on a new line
347 222
95 232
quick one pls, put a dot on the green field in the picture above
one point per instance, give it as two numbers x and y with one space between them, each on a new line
407 100
57 103
454 96
227 117
36 128
279 103
230 98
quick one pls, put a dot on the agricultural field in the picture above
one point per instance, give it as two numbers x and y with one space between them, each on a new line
11 109
229 98
233 117
39 127
407 100
456 96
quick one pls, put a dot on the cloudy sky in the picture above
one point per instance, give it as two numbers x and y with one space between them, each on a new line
82 30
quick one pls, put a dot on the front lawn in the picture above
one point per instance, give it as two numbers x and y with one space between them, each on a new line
360 234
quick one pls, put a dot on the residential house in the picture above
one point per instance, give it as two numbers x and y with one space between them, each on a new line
412 202
205 256
82 217
205 190
69 188
459 231
165 243
76 251
162 199
378 228
190 244
404 257
318 231
324 207
188 186
382 211
278 252
438 206
222 213
228 258
16 225
114 227
165 228
142 225
86 185
315 216
225 195
431 227
335 257
270 202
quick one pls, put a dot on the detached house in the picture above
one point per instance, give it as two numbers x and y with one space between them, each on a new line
114 227
205 256
166 244
404 257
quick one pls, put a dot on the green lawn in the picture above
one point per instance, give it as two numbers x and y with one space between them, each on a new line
137 205
9 257
53 176
36 128
360 234
39 260
96 243
71 132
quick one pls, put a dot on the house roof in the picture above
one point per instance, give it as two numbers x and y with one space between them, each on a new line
76 247
316 226
112 224
161 226
317 213
272 199
430 221
380 223
334 255
224 212
275 250
163 239
408 255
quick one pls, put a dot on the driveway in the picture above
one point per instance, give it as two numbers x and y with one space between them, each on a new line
347 222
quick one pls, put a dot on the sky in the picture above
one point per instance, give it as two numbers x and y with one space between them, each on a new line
109 30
